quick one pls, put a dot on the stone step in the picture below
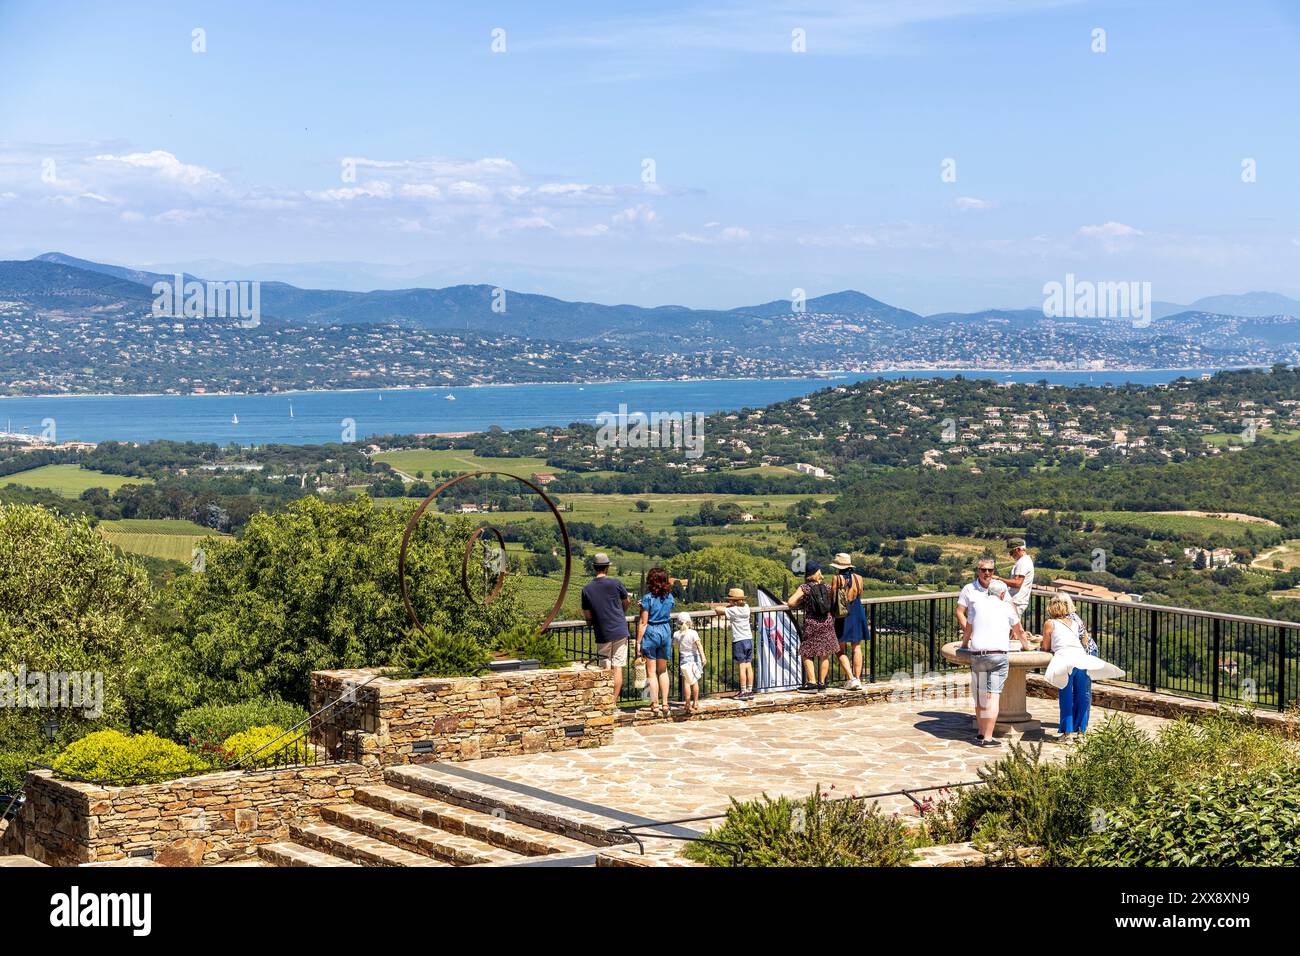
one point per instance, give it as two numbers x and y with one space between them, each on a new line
357 847
295 854
538 812
407 834
497 830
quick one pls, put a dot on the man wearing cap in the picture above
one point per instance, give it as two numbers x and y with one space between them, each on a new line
851 629
604 603
1021 581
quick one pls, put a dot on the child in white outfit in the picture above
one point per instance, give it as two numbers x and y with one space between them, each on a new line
691 651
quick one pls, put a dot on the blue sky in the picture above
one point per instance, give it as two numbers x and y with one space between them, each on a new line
773 169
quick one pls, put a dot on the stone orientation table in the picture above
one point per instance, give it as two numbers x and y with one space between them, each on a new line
1013 712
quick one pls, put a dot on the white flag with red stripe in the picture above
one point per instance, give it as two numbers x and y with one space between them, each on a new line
776 647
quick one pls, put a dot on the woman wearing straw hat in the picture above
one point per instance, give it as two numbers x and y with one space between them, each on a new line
851 627
736 611
818 643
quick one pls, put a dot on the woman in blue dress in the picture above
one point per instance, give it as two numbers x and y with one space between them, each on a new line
850 630
654 636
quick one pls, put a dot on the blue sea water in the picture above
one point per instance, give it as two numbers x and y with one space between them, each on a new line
324 416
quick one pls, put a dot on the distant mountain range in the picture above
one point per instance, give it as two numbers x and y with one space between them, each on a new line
842 330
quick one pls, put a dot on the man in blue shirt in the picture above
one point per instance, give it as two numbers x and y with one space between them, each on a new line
604 603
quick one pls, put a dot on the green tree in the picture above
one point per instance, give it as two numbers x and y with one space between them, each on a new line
729 565
68 603
316 586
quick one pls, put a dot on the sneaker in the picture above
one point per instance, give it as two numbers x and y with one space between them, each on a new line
806 688
990 742
853 684
820 687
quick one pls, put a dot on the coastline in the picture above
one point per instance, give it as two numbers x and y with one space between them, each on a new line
820 374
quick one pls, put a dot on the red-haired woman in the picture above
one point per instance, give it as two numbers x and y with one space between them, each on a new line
654 635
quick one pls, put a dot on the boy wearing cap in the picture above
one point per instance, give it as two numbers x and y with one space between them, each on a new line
736 611
604 603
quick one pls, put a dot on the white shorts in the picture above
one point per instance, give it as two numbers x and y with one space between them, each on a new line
612 654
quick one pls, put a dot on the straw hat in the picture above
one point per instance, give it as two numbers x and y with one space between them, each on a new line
842 561
736 594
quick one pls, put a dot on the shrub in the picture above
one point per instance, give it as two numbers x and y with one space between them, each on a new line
293 749
525 643
441 654
815 831
112 756
1225 820
1058 806
206 727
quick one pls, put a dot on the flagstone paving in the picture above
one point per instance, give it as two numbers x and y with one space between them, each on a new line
686 769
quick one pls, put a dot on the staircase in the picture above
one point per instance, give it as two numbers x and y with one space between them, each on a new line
387 824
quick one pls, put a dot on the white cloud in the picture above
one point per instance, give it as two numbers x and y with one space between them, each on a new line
374 190
464 189
421 191
972 203
717 233
1109 230
642 212
167 166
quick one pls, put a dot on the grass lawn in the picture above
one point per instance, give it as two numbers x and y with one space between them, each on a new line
155 526
779 470
621 509
1288 552
171 546
70 480
459 460
966 548
1222 530
1224 439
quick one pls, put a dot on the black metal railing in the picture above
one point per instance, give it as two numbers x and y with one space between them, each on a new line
1179 651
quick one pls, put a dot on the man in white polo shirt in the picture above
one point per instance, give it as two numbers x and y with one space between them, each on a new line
989 621
1021 579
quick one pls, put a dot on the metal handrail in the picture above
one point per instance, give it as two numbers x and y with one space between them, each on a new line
1038 590
349 697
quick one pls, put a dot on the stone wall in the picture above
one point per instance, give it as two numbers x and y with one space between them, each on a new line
429 719
188 822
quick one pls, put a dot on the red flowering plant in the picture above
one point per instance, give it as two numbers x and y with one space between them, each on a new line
209 748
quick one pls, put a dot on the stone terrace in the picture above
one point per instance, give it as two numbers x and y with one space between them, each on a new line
684 769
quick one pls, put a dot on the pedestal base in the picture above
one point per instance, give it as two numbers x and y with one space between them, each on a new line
1017 727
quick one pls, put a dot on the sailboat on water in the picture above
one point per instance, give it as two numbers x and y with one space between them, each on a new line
291 409
234 419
